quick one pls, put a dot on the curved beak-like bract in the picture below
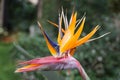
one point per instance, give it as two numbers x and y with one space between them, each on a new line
63 51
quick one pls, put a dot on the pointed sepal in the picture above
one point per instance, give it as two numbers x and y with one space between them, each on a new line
52 46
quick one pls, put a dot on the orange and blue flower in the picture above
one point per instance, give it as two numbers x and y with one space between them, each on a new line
62 51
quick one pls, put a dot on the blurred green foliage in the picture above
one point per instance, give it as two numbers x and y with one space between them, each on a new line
7 64
100 58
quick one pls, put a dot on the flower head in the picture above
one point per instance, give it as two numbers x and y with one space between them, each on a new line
67 41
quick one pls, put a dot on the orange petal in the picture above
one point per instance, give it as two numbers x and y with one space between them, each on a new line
84 39
71 27
49 43
51 48
59 39
73 40
59 30
68 34
79 31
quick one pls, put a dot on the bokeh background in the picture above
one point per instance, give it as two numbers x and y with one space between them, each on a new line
20 38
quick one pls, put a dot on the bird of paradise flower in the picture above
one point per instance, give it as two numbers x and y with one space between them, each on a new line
63 51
